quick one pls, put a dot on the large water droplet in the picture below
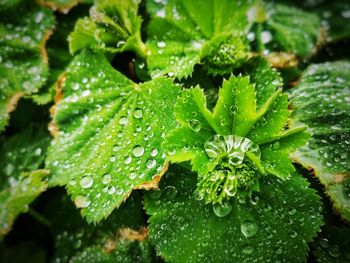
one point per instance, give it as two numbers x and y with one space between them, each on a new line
248 249
249 228
154 152
86 182
195 125
232 147
138 151
150 163
138 113
106 178
222 210
81 201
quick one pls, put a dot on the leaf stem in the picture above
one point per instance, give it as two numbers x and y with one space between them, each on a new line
39 217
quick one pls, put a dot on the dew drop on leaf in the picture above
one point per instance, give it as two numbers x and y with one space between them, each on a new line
86 182
155 194
249 228
81 201
150 163
194 125
154 152
127 160
170 192
334 251
138 151
222 210
123 121
248 249
106 178
138 113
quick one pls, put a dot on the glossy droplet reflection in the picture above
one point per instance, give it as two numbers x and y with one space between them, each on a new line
138 151
231 146
81 201
222 210
86 182
249 228
195 125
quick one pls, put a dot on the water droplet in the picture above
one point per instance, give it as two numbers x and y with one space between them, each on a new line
81 201
106 178
155 194
161 44
123 121
127 160
37 151
150 163
294 234
170 192
154 152
222 210
249 228
138 113
279 251
138 151
248 249
276 145
195 125
111 190
86 182
334 251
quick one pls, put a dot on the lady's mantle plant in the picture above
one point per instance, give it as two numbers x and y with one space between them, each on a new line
180 130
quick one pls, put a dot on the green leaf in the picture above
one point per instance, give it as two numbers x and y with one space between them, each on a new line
58 54
321 101
21 182
332 246
109 131
113 26
16 198
287 29
185 33
275 225
126 252
104 236
243 139
23 67
63 6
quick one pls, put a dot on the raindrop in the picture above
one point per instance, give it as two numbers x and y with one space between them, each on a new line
154 152
138 113
222 210
123 121
106 178
150 163
138 151
249 228
155 194
37 151
334 251
161 44
127 160
86 182
81 201
195 125
248 249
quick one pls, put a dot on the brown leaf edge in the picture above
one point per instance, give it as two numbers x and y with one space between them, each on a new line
62 8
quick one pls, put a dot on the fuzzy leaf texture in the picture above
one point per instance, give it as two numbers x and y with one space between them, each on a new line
113 26
23 58
273 226
108 134
241 140
187 32
21 181
328 119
